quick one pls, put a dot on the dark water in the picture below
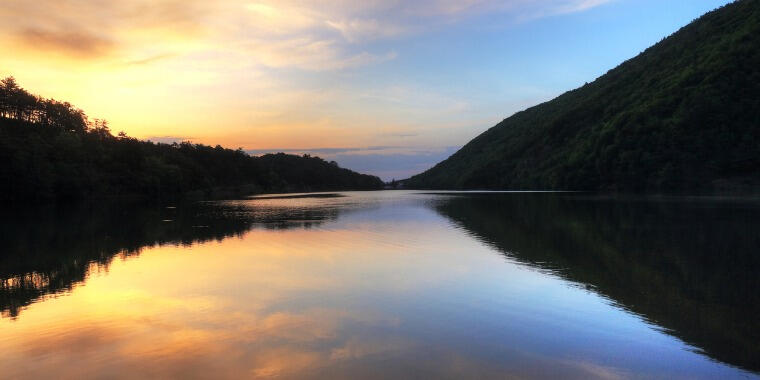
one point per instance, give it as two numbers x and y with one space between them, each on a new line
384 285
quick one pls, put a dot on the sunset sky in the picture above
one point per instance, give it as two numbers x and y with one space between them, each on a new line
386 87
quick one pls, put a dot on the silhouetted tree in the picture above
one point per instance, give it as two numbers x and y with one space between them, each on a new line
52 150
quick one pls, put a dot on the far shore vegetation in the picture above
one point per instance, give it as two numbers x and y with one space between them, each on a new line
50 149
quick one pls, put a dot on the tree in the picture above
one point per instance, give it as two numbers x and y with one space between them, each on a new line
8 90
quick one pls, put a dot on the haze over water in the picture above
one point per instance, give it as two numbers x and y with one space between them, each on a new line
393 284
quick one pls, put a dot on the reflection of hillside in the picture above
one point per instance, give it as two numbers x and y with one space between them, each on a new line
45 251
690 268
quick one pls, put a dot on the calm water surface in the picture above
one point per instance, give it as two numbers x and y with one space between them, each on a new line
389 284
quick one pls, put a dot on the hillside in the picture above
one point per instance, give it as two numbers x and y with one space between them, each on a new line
684 115
50 149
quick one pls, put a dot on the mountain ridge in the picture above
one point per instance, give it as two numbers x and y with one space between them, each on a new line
682 115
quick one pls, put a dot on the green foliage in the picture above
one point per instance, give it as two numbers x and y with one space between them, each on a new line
50 149
684 115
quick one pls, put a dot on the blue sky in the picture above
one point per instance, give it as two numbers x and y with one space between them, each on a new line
493 65
388 87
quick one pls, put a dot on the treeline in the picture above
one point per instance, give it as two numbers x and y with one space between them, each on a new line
17 104
683 116
51 149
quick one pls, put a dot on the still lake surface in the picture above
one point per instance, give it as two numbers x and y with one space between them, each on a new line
389 284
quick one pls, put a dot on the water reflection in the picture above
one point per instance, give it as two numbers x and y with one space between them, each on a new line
48 250
687 265
378 285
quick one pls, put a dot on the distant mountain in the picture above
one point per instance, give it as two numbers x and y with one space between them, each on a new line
684 115
49 149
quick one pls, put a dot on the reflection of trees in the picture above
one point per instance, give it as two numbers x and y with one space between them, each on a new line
45 251
689 267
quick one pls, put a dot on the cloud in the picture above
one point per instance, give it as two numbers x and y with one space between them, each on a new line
151 59
386 162
357 30
256 73
305 34
560 7
454 10
397 163
308 53
77 43
399 134
168 139
578 6
321 151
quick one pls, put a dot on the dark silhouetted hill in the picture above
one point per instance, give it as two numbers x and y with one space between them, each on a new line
684 115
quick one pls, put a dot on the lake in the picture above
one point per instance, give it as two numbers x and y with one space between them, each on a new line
387 284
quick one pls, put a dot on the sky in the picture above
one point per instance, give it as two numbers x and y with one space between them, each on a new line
387 87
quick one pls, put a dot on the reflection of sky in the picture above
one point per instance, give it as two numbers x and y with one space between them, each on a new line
392 289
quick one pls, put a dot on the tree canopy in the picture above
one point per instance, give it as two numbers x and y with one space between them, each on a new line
51 149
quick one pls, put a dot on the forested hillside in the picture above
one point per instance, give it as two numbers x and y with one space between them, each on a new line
50 149
684 115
